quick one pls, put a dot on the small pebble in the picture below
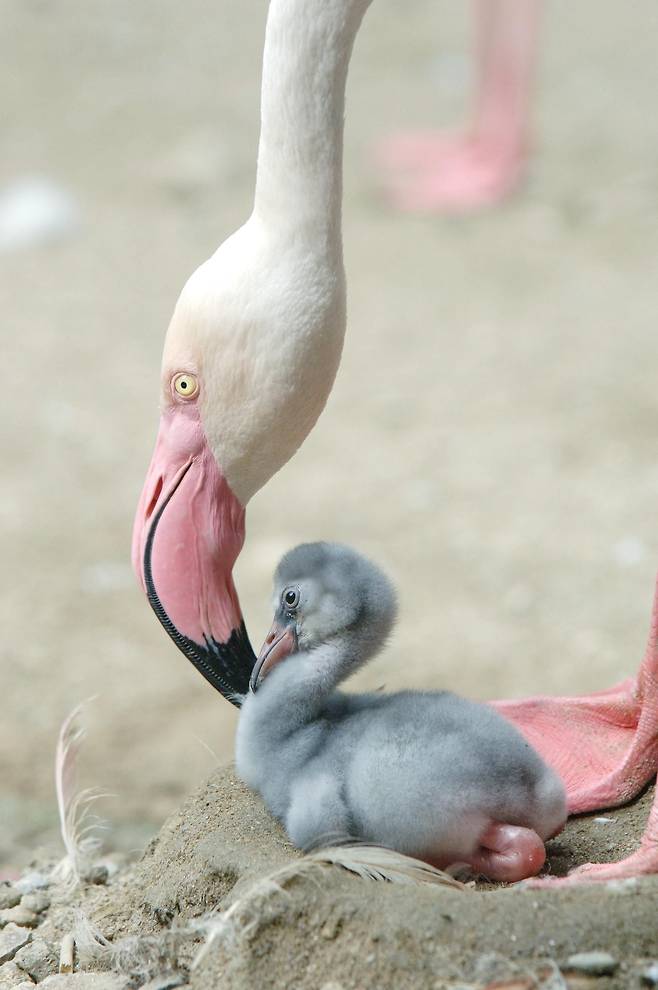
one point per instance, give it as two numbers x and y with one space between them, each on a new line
97 874
37 902
38 959
11 976
650 975
594 963
12 938
165 982
20 916
9 896
84 981
330 928
30 882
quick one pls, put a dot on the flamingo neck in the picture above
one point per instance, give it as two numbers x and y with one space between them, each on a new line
297 692
308 44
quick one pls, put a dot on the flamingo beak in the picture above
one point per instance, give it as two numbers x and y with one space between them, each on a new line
279 643
188 532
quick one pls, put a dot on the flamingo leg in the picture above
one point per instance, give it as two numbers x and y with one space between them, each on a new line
605 748
642 862
431 171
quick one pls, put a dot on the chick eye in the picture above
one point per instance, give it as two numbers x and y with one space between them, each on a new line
186 385
291 598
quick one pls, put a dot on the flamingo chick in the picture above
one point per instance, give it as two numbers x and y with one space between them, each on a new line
426 773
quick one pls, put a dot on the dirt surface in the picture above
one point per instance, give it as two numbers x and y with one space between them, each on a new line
328 925
490 439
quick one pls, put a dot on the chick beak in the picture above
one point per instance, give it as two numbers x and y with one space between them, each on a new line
279 643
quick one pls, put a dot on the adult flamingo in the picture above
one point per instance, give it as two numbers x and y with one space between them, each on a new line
253 347
249 360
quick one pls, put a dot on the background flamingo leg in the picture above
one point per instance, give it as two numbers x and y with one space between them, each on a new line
478 167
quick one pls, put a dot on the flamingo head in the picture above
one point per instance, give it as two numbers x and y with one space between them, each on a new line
238 395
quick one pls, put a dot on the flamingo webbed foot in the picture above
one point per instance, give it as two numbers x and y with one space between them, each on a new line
432 172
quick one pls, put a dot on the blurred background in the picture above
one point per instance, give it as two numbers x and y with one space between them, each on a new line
491 439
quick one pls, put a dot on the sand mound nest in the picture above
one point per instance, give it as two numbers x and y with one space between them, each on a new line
220 898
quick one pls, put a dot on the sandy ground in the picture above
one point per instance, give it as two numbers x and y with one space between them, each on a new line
325 929
491 436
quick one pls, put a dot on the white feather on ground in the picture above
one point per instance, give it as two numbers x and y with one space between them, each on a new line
78 827
378 863
142 956
365 861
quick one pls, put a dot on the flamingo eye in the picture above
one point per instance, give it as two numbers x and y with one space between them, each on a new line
291 598
186 385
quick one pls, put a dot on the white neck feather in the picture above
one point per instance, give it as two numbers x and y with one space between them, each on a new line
263 320
308 44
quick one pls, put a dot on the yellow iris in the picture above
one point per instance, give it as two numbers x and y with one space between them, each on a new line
186 385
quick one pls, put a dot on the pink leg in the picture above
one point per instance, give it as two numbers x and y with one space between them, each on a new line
642 862
509 853
429 172
605 748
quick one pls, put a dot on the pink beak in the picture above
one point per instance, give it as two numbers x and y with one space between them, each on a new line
188 532
279 643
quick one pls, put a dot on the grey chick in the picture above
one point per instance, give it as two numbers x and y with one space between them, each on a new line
426 773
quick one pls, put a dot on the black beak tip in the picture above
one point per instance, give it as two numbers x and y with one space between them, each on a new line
227 666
